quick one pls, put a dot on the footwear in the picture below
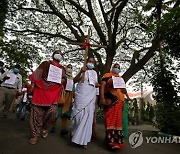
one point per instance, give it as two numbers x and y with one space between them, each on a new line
52 130
33 140
84 146
44 133
64 132
5 115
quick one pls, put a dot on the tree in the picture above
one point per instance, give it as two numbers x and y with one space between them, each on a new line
164 81
115 24
168 113
3 6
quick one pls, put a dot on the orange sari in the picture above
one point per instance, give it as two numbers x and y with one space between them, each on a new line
113 114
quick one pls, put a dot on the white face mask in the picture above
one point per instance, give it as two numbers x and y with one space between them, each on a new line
58 57
69 70
90 65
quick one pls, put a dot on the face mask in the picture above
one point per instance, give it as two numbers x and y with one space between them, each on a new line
16 70
116 70
90 65
69 70
58 57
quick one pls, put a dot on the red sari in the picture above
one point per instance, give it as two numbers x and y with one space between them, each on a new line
45 97
113 114
45 92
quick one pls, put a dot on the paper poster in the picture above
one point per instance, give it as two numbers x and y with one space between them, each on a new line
54 74
25 97
11 80
97 91
69 85
118 82
24 89
92 77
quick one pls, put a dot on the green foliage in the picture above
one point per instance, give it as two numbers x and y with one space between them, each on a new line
3 6
169 32
133 108
147 112
16 53
168 113
143 112
150 112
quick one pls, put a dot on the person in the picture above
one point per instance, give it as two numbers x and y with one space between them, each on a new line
94 128
10 86
66 109
125 118
47 81
84 105
23 102
112 93
1 69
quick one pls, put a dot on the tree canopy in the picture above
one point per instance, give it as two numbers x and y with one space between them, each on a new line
41 26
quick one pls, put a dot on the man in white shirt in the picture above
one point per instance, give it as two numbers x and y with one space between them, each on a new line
1 69
11 84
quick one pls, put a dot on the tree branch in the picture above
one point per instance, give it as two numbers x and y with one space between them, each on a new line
79 7
135 68
39 32
108 24
34 9
96 24
116 18
62 17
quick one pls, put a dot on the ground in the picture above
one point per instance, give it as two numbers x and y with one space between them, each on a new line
14 135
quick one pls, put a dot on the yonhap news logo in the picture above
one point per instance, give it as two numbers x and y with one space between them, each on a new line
136 139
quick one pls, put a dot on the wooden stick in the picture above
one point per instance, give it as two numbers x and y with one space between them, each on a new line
86 53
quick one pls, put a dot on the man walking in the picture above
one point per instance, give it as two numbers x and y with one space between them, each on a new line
11 84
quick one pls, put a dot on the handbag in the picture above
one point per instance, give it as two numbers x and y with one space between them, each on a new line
61 100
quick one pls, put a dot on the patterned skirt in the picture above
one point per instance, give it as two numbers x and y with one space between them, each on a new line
113 126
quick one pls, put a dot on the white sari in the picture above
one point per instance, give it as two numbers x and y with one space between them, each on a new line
83 110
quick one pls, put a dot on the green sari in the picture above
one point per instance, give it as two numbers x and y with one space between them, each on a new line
125 119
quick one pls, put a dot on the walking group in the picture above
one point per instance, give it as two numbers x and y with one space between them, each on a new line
57 94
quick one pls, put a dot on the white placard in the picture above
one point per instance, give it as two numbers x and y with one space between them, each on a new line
54 74
12 79
25 97
97 91
69 85
24 89
92 77
118 82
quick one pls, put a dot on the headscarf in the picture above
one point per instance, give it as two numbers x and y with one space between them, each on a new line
68 73
120 95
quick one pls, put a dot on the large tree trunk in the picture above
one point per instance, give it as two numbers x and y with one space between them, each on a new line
133 69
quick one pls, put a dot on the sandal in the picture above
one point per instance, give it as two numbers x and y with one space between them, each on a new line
44 133
33 140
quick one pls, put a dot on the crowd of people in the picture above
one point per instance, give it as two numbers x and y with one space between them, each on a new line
51 82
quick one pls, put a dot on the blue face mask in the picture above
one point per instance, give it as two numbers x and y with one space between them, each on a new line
16 70
69 70
116 70
90 65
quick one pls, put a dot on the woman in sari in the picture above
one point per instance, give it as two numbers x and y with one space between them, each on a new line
46 88
66 110
84 105
113 100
